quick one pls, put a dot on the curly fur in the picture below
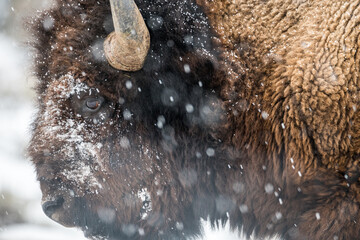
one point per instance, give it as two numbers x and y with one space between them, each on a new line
271 143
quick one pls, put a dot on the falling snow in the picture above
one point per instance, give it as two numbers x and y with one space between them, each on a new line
210 152
145 197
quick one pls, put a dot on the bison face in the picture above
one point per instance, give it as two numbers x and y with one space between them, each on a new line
97 164
113 149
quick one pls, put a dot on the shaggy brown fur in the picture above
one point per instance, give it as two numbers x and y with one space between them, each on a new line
245 111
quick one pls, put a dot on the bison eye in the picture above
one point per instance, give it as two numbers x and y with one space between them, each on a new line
93 104
92 107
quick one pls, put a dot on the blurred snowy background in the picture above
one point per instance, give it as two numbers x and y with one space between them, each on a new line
21 217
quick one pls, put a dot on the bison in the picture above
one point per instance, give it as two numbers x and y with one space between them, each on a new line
153 114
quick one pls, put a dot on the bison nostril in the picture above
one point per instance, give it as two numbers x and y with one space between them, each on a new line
49 207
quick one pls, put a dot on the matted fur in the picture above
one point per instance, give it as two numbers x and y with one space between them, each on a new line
245 111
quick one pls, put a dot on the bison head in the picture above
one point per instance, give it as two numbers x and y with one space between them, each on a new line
115 151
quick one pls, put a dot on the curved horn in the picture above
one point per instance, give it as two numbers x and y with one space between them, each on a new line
126 48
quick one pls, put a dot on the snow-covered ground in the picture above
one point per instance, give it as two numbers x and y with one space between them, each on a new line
21 217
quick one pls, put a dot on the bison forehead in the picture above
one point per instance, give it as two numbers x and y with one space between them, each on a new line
85 153
59 122
65 139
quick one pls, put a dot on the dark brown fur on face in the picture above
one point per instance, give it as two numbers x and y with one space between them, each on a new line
245 111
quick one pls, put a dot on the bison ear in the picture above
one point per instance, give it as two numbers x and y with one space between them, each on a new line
127 47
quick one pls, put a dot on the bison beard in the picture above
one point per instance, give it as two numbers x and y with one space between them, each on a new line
244 111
